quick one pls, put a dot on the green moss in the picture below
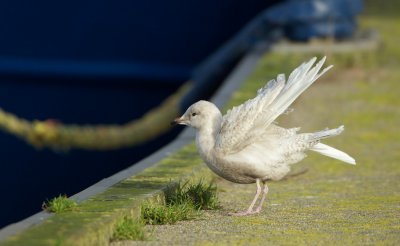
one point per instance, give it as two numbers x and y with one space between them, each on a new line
94 222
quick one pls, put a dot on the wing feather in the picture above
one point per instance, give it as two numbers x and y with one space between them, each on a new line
244 123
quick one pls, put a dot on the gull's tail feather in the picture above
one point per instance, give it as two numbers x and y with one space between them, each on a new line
327 133
333 153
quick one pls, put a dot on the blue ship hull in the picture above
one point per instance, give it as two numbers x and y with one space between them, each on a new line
91 62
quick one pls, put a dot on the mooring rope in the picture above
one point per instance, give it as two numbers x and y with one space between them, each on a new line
58 136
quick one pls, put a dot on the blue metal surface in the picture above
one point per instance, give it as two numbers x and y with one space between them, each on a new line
80 36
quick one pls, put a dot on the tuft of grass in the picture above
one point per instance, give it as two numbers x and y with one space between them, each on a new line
129 229
59 204
200 195
155 214
182 202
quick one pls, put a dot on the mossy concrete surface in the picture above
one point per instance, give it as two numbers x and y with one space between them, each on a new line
93 221
333 203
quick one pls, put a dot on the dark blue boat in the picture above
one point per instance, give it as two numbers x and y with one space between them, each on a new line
91 62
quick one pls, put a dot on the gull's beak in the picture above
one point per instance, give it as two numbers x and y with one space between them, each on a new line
180 121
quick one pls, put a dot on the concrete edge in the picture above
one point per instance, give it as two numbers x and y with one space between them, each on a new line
364 40
230 85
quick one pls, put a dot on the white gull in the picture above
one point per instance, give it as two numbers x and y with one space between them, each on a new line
246 146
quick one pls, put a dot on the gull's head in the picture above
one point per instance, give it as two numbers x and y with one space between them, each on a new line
200 114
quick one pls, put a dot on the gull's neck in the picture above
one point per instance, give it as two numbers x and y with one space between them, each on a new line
206 137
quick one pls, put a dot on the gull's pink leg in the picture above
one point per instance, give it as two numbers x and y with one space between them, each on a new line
265 192
250 209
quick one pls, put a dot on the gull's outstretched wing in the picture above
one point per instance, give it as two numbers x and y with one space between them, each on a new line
244 123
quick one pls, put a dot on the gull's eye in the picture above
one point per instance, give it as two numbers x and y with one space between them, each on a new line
194 114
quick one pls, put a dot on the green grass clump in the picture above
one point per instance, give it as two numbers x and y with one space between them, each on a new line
59 204
200 195
182 202
129 229
155 214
